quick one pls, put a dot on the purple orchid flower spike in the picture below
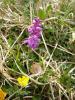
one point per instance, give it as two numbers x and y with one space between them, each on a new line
34 34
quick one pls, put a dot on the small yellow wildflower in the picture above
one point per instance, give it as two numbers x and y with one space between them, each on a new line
2 95
23 81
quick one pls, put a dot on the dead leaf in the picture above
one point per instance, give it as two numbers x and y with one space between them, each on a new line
36 68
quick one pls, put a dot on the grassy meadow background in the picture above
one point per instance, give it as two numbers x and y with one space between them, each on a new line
51 66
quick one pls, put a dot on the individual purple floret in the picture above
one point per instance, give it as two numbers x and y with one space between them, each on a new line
32 41
37 22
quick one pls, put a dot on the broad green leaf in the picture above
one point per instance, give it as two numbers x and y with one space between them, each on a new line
48 9
42 13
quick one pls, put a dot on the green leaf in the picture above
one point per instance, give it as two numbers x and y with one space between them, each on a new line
48 9
36 98
42 13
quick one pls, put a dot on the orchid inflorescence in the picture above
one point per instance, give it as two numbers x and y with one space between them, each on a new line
34 34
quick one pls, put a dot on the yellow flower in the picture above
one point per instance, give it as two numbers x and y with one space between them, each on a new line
23 81
2 95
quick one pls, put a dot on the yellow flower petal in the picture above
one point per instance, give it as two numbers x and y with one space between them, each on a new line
23 81
2 95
